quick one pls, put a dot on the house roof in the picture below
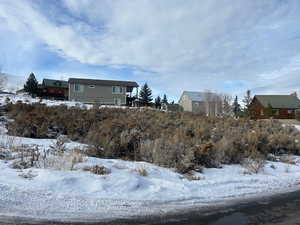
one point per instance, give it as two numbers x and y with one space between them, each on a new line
55 83
103 82
279 101
197 96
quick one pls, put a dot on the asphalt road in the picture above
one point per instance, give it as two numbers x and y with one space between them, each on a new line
283 209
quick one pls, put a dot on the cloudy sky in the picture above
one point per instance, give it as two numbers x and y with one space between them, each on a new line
174 45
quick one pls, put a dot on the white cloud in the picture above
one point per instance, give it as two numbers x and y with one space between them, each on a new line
189 45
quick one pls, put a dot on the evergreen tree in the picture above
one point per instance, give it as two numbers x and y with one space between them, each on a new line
145 95
247 101
165 100
236 107
31 85
157 102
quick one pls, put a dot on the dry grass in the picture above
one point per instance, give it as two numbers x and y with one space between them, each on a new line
97 169
289 159
142 171
184 141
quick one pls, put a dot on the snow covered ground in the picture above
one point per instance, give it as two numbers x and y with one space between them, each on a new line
81 195
24 98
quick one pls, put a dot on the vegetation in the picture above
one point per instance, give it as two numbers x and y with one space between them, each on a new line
247 101
31 85
157 102
165 99
236 107
184 141
145 95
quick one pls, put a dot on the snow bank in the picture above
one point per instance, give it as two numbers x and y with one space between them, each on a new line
82 195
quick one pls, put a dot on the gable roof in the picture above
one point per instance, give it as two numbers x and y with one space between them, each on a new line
103 82
197 96
55 83
279 101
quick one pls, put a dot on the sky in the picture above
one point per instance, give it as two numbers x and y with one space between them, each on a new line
227 46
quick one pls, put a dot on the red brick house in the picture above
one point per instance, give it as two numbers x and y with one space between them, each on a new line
274 106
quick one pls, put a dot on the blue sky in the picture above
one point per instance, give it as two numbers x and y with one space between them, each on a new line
174 45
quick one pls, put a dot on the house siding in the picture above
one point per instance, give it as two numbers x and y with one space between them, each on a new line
256 108
98 94
186 103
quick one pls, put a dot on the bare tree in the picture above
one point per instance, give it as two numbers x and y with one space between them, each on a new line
213 103
227 104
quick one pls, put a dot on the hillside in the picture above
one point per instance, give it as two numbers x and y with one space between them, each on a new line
12 82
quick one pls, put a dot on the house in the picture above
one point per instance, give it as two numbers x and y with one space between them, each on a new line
106 92
275 106
54 89
207 103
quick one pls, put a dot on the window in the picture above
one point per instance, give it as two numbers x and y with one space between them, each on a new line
92 86
78 88
262 112
117 101
290 111
117 90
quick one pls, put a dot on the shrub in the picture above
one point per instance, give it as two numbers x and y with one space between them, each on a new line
255 163
99 170
184 141
142 171
27 175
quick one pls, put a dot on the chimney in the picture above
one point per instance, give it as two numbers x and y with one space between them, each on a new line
294 94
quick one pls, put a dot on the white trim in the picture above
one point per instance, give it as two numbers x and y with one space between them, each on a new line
118 90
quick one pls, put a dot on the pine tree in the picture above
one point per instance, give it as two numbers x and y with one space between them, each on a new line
236 107
157 102
165 100
146 95
31 85
247 101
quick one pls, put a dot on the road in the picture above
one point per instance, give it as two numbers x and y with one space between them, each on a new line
283 209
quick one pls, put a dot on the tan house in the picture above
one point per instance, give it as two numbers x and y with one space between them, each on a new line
207 103
106 92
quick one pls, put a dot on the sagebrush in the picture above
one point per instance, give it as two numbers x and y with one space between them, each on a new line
184 141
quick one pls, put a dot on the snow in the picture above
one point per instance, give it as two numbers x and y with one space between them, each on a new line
71 195
25 98
78 195
297 127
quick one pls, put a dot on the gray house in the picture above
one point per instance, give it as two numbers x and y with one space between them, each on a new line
207 103
106 92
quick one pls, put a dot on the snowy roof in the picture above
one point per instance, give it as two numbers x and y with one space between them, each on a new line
197 96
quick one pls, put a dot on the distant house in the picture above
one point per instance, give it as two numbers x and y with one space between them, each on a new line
54 89
106 92
172 107
207 103
275 106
